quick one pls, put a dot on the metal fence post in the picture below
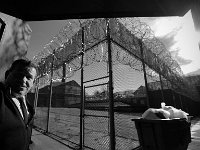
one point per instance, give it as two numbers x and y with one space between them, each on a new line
111 98
144 71
50 93
82 96
36 94
161 84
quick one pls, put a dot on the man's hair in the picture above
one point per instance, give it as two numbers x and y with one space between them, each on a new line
22 63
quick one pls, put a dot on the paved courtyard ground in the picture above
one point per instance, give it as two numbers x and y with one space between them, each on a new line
65 124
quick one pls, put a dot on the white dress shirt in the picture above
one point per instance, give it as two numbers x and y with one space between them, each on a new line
16 101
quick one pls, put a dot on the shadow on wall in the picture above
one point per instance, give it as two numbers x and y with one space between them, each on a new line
14 42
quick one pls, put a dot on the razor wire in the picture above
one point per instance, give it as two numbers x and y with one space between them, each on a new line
128 35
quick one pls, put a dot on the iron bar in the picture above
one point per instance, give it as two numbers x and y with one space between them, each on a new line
50 92
96 79
144 71
161 85
96 116
84 117
82 96
95 85
111 98
64 72
36 94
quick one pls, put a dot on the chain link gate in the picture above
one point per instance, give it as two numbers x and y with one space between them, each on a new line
96 118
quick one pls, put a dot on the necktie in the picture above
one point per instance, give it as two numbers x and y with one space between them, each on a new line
24 111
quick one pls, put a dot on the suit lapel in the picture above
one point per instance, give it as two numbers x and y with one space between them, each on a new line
15 109
31 111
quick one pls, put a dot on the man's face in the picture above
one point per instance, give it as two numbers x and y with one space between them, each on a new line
21 80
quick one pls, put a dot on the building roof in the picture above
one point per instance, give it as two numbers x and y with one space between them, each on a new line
60 84
70 83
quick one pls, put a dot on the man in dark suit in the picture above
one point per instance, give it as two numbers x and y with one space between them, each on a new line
16 114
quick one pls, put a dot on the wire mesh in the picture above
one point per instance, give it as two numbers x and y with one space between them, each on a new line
96 102
41 116
134 48
96 119
127 79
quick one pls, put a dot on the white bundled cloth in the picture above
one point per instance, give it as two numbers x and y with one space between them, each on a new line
165 112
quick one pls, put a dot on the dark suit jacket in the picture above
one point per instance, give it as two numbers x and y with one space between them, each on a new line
14 133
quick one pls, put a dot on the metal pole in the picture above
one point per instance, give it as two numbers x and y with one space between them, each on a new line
83 115
82 97
144 70
64 72
50 94
161 84
36 94
111 98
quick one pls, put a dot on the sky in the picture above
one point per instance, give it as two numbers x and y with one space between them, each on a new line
177 34
180 38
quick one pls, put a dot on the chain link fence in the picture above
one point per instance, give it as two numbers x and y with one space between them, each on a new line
96 75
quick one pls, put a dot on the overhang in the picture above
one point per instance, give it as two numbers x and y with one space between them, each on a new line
54 10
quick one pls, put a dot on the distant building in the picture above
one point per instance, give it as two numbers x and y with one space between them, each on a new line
169 96
63 94
68 95
194 80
